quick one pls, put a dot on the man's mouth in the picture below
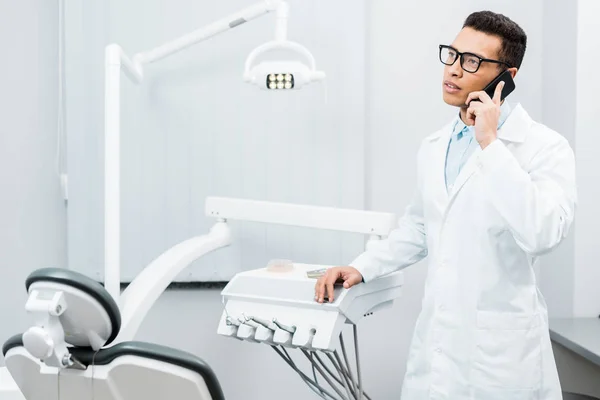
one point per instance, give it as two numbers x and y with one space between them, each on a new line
451 87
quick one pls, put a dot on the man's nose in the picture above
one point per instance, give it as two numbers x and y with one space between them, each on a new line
455 69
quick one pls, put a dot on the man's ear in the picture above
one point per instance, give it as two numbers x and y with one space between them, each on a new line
513 71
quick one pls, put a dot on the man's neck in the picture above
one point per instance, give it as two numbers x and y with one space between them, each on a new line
463 115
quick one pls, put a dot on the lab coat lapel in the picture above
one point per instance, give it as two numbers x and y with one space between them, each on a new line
513 130
441 141
466 172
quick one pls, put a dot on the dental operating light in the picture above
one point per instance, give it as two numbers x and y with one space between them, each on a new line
280 75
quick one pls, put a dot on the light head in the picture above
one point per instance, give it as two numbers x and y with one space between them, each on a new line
281 75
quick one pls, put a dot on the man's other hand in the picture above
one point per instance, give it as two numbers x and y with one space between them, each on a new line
324 286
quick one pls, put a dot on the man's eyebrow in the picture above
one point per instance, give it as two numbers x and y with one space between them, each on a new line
470 52
478 55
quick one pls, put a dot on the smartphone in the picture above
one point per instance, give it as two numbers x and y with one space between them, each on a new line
509 85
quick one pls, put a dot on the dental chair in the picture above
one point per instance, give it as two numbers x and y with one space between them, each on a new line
68 353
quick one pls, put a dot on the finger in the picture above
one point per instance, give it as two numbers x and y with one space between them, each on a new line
474 109
331 279
329 291
317 289
482 96
321 288
473 96
471 116
498 92
351 280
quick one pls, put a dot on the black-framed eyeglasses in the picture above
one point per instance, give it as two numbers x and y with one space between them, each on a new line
468 61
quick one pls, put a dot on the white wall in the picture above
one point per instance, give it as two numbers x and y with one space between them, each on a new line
195 129
32 212
587 274
559 113
569 105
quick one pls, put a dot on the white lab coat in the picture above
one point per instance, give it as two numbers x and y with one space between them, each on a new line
482 333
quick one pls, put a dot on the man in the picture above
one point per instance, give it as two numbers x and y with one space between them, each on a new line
495 190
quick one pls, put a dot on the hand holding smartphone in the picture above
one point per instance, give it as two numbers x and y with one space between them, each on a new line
484 114
509 85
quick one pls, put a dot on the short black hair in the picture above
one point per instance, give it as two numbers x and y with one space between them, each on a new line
514 39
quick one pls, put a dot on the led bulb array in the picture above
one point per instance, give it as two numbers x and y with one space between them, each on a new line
280 81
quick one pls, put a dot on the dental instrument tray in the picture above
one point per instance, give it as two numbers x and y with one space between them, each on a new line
278 308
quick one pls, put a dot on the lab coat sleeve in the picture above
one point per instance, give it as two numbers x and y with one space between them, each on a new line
538 205
404 246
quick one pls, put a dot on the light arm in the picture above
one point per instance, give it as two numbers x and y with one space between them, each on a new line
217 27
116 57
147 287
115 60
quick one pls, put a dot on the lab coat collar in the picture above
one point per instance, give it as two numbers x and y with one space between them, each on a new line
514 129
516 126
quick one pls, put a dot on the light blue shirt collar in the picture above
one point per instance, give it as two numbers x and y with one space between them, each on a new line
461 129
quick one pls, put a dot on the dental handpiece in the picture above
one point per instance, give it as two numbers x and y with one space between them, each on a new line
248 321
269 325
287 328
